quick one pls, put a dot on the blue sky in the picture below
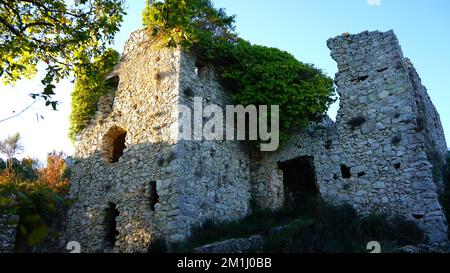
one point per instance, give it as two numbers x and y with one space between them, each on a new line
300 27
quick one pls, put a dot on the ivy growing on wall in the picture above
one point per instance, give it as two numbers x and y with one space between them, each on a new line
90 86
256 75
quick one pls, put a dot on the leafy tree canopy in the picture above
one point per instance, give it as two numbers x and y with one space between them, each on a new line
256 75
56 32
187 22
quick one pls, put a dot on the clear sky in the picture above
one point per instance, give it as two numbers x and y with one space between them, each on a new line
300 27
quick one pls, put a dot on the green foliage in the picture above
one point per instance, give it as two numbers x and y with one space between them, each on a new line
90 85
36 205
340 230
256 75
313 226
259 75
191 24
62 34
25 169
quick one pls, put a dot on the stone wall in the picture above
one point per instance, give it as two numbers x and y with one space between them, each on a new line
191 182
144 108
376 137
8 230
376 156
215 173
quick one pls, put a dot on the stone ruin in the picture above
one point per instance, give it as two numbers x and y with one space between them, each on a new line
135 181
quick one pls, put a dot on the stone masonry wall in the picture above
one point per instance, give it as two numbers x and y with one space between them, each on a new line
192 181
386 153
143 107
216 173
8 230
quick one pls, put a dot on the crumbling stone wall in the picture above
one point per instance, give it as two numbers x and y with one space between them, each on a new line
376 156
192 181
377 136
216 174
8 230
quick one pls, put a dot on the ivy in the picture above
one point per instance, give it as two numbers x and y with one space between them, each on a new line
90 86
255 75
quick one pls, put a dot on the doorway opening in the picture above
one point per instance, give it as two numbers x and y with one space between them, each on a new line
299 179
111 225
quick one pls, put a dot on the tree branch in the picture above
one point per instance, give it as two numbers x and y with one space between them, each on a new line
20 113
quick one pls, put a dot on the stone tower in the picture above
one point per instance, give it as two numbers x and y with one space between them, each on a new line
135 180
381 153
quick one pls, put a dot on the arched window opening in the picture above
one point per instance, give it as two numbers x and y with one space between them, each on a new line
114 145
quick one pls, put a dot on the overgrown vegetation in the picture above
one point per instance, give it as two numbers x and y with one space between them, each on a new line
36 195
313 226
256 75
90 86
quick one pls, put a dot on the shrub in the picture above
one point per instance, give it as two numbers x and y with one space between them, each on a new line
311 227
90 86
37 206
256 75
340 230
54 175
193 24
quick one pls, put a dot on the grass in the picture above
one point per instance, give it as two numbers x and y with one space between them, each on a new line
313 227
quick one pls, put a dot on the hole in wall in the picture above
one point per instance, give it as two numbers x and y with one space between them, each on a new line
418 216
154 197
189 92
397 166
114 144
382 70
299 180
360 79
158 76
328 144
112 83
110 223
396 140
345 171
357 121
200 69
361 174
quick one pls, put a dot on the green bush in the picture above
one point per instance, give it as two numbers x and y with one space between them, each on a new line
340 230
37 206
256 75
90 86
312 227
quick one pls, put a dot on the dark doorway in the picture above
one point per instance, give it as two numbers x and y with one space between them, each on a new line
111 224
119 146
154 198
299 179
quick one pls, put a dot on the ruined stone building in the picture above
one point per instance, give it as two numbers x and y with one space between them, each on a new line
135 181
